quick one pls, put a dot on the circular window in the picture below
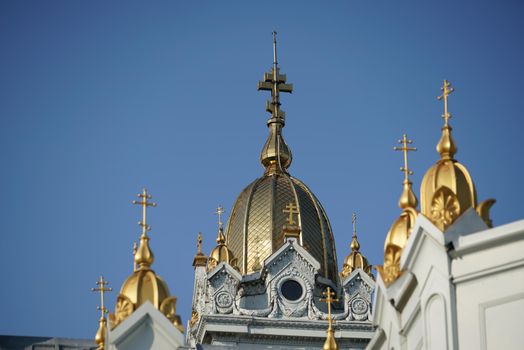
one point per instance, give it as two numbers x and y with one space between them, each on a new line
291 290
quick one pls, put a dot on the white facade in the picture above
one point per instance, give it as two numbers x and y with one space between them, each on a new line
462 289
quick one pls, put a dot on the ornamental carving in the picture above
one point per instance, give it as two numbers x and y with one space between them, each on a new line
123 309
359 306
445 208
224 299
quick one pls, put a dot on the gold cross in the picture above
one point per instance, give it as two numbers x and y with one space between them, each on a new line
446 91
291 208
144 196
101 283
276 83
328 300
219 212
405 142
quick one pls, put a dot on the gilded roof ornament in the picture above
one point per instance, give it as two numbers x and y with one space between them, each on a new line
200 259
355 259
276 155
144 284
447 189
291 229
100 337
400 230
221 253
330 343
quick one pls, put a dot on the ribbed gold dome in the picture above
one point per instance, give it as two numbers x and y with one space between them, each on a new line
355 259
254 229
447 189
144 284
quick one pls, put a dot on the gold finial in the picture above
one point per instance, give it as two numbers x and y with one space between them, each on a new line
408 198
446 145
144 256
200 259
135 249
199 243
291 209
100 337
355 246
219 212
275 155
330 343
144 196
446 91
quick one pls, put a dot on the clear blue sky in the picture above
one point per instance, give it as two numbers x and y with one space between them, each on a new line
101 98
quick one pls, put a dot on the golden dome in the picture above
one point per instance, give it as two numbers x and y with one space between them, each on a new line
221 253
254 230
447 189
144 284
355 259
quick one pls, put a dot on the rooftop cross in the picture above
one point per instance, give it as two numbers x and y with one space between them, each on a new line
354 222
291 209
328 300
219 212
144 196
446 91
276 83
101 283
405 142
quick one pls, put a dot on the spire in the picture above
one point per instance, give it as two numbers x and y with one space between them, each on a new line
144 256
100 337
446 146
330 343
407 198
275 156
221 252
355 246
200 259
355 259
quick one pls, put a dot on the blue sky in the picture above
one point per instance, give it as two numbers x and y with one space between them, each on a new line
99 99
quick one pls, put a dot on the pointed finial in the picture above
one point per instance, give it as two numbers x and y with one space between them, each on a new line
355 245
446 146
330 343
135 249
219 211
144 256
199 243
100 337
144 196
407 198
275 155
291 209
200 259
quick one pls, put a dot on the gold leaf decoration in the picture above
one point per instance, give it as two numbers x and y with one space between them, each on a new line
445 208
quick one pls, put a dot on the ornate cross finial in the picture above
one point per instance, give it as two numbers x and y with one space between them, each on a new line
144 196
291 209
446 91
276 83
329 294
101 283
199 243
219 212
405 142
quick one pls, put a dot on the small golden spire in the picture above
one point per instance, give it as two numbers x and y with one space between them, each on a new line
100 337
135 248
275 155
221 239
144 256
355 246
408 198
200 259
330 343
221 253
446 146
